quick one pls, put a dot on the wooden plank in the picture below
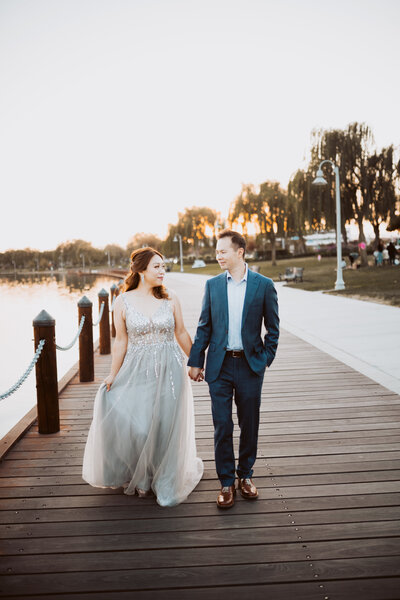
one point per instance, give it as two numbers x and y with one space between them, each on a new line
71 475
138 509
359 589
267 520
256 553
208 539
204 576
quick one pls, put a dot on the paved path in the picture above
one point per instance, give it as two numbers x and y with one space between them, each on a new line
363 335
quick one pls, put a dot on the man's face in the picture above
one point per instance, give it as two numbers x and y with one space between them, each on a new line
228 256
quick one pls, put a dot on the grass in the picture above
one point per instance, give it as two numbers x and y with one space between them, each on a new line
369 283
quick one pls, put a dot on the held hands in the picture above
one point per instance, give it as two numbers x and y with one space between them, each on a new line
109 381
196 374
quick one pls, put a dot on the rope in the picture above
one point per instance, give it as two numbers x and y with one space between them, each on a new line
75 338
27 372
100 314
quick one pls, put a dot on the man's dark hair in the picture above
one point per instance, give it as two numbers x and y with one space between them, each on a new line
237 240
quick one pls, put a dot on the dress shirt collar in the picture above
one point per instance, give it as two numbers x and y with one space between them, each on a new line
244 278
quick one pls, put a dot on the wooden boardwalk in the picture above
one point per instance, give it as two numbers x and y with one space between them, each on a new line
326 525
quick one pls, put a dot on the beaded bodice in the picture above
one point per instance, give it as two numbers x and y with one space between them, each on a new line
143 330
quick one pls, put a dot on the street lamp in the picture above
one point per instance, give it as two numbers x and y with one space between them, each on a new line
321 181
176 238
109 258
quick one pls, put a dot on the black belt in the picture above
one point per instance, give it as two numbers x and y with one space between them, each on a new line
235 353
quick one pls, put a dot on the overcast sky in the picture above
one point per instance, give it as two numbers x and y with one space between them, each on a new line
117 114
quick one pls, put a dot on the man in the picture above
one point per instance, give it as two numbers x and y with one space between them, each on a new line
235 304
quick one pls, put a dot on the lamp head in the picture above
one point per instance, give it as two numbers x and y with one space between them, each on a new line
175 238
320 179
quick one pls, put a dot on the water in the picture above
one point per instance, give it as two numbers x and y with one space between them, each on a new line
21 300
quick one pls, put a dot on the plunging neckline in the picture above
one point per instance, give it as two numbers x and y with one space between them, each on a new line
142 313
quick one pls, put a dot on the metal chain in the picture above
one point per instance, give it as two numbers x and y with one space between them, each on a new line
75 338
112 304
27 372
100 314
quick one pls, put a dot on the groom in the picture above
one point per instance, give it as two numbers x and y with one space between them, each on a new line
235 304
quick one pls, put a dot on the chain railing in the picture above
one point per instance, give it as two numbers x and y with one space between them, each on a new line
78 333
100 315
26 374
46 370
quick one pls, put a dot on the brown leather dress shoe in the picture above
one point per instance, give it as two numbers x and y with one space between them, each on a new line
247 489
226 497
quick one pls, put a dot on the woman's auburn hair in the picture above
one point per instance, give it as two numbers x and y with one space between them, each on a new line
139 262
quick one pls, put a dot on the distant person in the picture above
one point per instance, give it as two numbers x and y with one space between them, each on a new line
352 258
142 434
378 254
392 253
385 256
235 304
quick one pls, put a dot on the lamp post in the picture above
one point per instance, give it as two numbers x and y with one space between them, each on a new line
176 238
320 180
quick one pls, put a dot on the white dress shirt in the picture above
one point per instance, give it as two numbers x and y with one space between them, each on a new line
236 294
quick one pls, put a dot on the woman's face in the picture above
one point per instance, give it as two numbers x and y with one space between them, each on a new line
155 272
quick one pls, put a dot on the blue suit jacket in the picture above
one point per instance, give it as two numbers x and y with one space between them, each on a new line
260 303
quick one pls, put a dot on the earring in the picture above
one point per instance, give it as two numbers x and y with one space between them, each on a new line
142 278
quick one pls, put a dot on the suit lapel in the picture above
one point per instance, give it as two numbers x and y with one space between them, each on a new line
222 291
251 288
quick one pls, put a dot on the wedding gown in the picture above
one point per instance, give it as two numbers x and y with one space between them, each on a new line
142 433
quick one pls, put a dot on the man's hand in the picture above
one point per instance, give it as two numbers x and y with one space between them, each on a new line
196 374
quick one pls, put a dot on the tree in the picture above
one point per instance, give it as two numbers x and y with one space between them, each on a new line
298 208
197 228
350 151
381 177
140 240
266 207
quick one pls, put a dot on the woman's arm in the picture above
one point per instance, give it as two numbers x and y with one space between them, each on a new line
181 333
120 344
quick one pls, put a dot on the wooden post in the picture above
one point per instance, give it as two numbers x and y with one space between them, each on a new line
46 374
86 360
114 294
104 325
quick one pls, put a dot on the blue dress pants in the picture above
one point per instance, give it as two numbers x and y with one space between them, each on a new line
235 381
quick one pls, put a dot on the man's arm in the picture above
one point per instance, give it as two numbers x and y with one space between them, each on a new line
203 333
271 322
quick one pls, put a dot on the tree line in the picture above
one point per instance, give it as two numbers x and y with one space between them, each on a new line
369 189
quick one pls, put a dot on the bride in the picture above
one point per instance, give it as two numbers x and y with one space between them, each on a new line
142 434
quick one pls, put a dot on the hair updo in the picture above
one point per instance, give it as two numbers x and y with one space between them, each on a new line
139 262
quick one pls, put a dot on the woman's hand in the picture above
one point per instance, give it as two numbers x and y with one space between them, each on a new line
109 381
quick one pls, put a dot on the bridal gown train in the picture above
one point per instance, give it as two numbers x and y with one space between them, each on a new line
142 433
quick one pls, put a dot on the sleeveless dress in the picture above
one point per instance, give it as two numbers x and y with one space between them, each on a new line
142 434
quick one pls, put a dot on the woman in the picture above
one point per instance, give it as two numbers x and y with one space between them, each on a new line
142 434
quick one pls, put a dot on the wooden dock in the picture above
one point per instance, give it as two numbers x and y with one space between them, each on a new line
326 525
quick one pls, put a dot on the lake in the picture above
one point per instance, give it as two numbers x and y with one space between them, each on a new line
21 299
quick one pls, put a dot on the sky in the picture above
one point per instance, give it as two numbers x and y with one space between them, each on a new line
115 115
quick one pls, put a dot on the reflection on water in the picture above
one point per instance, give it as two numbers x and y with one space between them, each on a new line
22 297
70 281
